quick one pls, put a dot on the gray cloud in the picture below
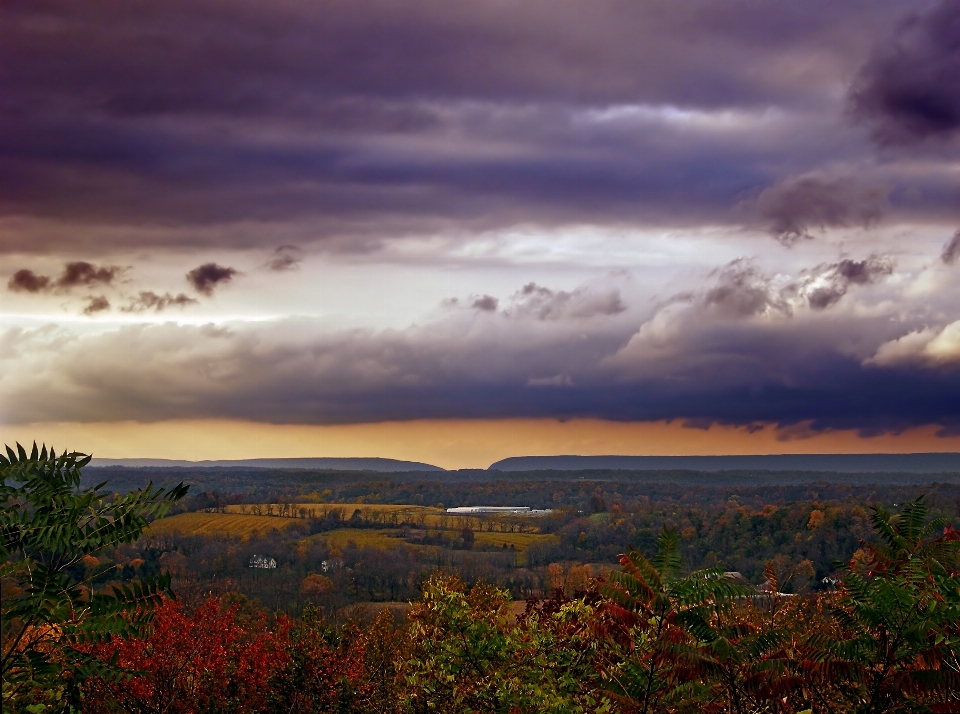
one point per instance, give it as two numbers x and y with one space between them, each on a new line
485 303
793 208
347 126
683 363
149 300
286 257
83 273
206 277
542 303
25 280
742 290
951 251
338 125
75 274
828 283
909 90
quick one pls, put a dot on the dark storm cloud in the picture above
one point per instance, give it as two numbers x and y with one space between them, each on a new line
75 274
385 119
794 208
951 251
204 278
909 90
744 371
149 300
291 57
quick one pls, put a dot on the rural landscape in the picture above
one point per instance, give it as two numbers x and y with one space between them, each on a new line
479 357
631 592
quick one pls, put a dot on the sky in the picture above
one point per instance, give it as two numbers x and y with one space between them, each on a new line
456 232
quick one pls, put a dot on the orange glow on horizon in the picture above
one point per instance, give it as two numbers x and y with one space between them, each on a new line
453 443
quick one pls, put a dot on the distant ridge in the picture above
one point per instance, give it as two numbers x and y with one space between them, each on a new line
347 464
836 463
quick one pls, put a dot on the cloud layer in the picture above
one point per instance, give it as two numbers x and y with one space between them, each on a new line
351 125
748 347
703 210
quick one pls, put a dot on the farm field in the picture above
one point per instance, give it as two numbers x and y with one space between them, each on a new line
244 521
362 538
420 516
218 524
402 511
520 541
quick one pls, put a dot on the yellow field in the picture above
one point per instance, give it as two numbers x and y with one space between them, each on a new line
520 541
218 524
362 538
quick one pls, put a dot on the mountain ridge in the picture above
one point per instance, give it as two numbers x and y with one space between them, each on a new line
342 464
929 462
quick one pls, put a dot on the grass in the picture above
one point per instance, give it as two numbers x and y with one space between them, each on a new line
218 524
520 541
362 538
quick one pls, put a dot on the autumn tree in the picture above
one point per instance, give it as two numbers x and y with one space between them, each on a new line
208 660
896 645
470 654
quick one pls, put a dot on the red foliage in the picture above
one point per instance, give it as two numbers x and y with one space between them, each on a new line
204 661
325 671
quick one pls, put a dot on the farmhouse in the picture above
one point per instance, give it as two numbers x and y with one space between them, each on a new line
263 562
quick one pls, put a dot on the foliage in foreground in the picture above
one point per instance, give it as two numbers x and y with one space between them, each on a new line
50 532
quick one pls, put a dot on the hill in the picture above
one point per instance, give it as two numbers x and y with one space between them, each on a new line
319 463
932 463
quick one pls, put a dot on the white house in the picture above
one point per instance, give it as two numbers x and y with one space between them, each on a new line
262 562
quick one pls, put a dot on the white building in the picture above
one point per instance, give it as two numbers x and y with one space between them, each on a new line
262 562
496 510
